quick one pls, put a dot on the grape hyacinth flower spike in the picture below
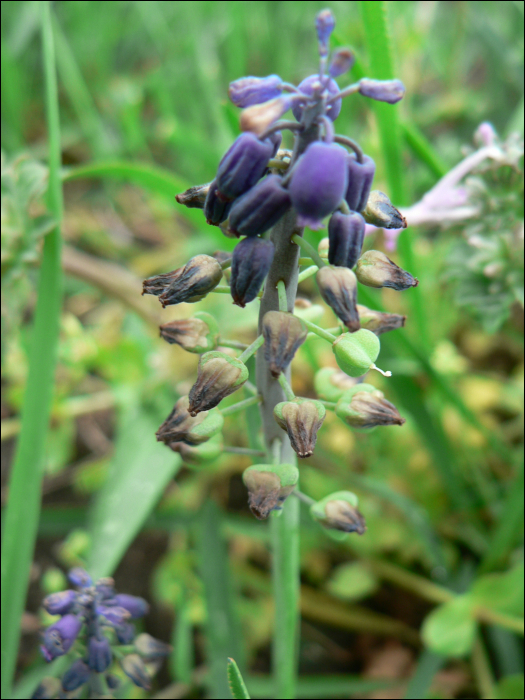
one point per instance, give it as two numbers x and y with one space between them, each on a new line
97 618
265 196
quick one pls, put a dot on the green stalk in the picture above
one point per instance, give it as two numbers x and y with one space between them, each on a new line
309 250
23 506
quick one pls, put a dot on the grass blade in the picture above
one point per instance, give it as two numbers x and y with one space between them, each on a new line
23 508
237 686
427 666
131 491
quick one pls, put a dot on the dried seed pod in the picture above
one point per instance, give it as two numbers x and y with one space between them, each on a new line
365 407
194 197
248 91
346 235
375 269
360 178
356 352
283 334
197 334
390 91
338 287
180 426
150 648
252 259
258 118
380 212
260 208
198 455
135 669
190 283
319 182
330 383
307 87
219 375
301 418
268 486
379 322
216 209
242 165
339 512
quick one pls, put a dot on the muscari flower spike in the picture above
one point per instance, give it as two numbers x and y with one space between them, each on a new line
95 615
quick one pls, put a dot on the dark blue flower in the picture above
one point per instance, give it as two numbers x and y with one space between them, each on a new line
259 208
60 603
59 638
80 577
346 233
242 165
137 607
319 182
216 210
99 654
360 178
76 675
252 259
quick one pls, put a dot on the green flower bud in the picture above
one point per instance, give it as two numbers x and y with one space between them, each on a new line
356 352
330 383
380 212
199 455
197 334
378 322
269 486
180 426
365 407
375 269
301 418
283 334
338 511
219 375
338 287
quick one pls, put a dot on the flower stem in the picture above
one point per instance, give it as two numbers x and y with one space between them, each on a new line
288 391
281 291
251 349
221 289
309 272
241 405
235 344
309 250
319 331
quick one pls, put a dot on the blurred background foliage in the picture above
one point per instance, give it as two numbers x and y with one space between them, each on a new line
144 114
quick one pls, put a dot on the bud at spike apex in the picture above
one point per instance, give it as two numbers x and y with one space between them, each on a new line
341 62
307 87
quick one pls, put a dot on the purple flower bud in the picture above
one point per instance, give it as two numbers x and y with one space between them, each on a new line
76 675
137 607
390 91
216 210
99 654
242 165
252 259
48 688
283 334
346 233
248 91
151 648
324 26
360 178
60 603
79 577
341 62
194 197
59 638
259 208
136 670
319 182
307 87
188 284
258 118
276 139
105 587
114 615
125 633
338 287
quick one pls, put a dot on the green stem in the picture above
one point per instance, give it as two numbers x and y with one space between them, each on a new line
221 289
290 396
248 451
319 331
309 272
240 406
235 344
281 291
309 250
23 506
251 349
226 264
483 671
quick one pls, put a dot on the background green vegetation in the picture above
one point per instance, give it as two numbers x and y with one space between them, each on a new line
143 114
